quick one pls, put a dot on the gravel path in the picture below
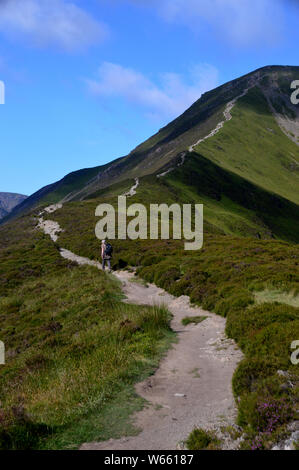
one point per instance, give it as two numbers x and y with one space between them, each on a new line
50 227
227 117
227 111
192 386
133 189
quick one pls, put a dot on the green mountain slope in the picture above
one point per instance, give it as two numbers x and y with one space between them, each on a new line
74 350
234 204
259 143
224 277
71 355
253 146
56 191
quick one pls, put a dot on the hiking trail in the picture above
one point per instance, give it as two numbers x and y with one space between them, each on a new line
132 190
254 81
192 385
227 111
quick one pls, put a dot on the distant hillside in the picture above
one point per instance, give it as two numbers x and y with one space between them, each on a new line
8 201
74 350
243 134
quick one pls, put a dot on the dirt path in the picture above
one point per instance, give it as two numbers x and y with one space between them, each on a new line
227 111
132 190
227 117
192 386
180 163
50 227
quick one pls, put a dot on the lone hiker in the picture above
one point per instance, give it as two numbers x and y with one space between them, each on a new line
106 253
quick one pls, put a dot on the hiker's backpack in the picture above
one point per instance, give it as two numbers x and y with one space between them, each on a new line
108 250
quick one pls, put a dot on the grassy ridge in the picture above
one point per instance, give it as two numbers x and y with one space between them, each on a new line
253 146
231 206
223 277
73 348
234 204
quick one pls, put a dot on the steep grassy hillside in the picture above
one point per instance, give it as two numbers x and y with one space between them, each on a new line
251 145
73 348
232 205
59 320
226 277
56 191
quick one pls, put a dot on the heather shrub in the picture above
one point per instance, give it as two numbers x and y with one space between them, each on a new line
249 372
199 439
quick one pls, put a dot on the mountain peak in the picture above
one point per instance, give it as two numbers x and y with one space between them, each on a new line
8 201
263 92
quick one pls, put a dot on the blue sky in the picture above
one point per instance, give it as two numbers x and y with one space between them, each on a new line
87 81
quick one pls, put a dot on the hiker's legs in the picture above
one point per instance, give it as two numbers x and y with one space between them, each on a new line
109 264
103 264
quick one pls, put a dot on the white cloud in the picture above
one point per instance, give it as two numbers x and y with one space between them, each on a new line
242 22
167 100
50 22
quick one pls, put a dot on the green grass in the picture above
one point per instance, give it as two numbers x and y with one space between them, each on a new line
74 350
195 373
232 204
187 320
71 183
140 281
58 320
223 277
253 146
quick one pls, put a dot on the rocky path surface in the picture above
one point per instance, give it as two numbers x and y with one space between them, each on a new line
227 117
227 111
192 386
132 190
50 227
